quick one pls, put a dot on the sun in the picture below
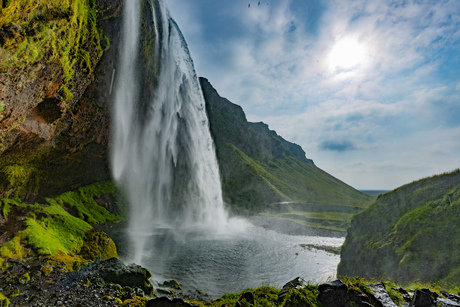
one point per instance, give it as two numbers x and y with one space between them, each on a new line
347 55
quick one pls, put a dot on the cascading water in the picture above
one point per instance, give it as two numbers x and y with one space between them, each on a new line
163 159
162 153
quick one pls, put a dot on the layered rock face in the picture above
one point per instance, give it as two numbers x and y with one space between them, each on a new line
54 124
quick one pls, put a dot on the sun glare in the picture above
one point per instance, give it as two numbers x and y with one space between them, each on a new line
346 56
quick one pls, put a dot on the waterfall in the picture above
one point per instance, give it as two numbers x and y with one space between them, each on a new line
163 156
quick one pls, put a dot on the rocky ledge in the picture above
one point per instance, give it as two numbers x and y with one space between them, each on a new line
106 283
112 283
337 294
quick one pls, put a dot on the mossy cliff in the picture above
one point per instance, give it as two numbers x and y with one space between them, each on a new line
57 60
60 228
55 75
262 172
410 233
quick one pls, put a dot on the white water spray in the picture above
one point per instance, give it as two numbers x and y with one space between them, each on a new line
163 156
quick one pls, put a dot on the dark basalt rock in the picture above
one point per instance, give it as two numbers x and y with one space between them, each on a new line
423 298
333 294
132 275
358 299
167 302
246 296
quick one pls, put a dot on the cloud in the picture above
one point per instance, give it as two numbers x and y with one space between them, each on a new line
398 107
337 145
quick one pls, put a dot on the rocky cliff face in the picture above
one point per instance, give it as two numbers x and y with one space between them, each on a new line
229 125
408 234
262 171
54 124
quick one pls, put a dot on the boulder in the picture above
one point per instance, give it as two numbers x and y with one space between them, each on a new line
293 284
132 275
98 245
167 302
333 294
382 296
423 298
357 299
248 297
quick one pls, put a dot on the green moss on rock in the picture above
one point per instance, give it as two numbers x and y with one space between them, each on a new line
408 234
51 230
12 249
4 300
98 245
59 231
65 32
82 201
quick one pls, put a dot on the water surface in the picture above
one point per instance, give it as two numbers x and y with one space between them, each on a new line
239 257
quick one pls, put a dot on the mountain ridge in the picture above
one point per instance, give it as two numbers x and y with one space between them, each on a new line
262 172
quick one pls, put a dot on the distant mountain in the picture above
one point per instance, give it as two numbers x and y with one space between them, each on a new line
408 234
261 171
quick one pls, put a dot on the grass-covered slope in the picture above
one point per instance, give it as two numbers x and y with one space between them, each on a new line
63 32
411 233
262 172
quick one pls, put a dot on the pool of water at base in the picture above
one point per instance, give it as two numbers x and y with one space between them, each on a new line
243 256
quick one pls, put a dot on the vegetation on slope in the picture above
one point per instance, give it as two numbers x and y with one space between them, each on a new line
52 137
410 233
358 291
60 228
262 172
63 33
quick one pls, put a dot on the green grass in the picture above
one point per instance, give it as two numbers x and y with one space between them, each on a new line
263 296
289 189
323 220
5 301
302 182
51 229
307 295
260 169
408 234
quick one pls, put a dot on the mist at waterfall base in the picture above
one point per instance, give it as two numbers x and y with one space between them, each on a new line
246 256
163 160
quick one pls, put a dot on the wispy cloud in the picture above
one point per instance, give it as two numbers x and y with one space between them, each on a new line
400 105
344 145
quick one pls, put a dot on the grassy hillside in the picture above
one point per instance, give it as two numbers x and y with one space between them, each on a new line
410 233
262 172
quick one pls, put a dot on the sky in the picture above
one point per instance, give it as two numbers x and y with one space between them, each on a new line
369 89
